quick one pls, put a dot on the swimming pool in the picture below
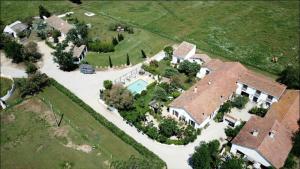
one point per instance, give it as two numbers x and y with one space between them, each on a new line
137 87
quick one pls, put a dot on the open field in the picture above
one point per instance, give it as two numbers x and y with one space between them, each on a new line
30 137
245 31
5 85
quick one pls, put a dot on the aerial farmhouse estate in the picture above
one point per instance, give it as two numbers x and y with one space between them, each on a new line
267 141
220 82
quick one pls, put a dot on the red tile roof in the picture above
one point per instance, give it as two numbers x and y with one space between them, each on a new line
262 83
281 119
211 92
183 49
59 24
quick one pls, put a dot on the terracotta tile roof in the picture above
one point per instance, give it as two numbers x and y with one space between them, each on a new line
59 24
213 64
275 150
286 111
78 50
282 120
183 49
204 57
201 100
263 83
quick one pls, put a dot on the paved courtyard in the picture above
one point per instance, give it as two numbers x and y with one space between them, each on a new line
86 87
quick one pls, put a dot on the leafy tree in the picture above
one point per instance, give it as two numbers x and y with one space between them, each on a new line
232 132
127 60
159 94
31 52
290 76
43 12
55 35
170 71
110 62
206 155
119 97
135 163
154 63
168 127
31 68
296 144
190 134
78 35
189 68
152 132
114 41
120 37
258 111
64 59
225 108
107 84
234 163
32 85
168 51
143 54
176 81
240 102
14 51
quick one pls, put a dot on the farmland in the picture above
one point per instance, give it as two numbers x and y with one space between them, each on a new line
30 137
245 31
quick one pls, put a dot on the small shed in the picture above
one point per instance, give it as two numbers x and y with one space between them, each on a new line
86 69
231 121
155 105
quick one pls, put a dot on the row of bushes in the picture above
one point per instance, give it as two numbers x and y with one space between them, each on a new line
121 134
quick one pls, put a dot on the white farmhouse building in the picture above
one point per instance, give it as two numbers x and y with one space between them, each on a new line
15 28
258 88
57 23
221 80
183 52
267 141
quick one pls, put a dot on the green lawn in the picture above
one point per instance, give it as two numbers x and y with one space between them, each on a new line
5 85
29 140
251 32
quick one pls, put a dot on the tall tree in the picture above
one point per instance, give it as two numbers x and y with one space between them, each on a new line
127 60
110 62
43 12
168 51
189 68
64 59
143 54
120 37
14 51
114 41
290 76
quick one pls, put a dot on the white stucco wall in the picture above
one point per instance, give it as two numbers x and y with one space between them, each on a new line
182 58
8 30
183 113
262 99
252 155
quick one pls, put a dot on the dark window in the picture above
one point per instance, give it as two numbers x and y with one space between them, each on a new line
258 92
192 123
245 86
255 99
207 72
270 97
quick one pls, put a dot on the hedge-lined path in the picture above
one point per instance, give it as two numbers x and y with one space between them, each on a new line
86 87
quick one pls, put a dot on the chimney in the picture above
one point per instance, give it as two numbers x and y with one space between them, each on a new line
195 89
209 83
272 134
254 132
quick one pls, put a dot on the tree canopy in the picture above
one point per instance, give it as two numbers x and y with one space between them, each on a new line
168 127
64 59
290 76
14 51
189 68
168 51
43 12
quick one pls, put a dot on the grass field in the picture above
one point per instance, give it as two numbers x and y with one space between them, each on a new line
5 85
251 32
30 137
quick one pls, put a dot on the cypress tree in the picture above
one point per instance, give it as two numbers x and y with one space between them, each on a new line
114 41
143 54
110 62
128 61
120 37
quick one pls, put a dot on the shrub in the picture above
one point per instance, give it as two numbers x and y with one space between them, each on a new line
290 77
107 84
232 132
14 51
259 111
168 127
225 108
189 68
159 94
152 132
154 63
240 102
175 94
168 51
169 72
31 68
120 37
43 12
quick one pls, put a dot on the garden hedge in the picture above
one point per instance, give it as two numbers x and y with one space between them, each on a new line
114 129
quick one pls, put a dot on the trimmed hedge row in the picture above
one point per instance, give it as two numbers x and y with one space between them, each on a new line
121 134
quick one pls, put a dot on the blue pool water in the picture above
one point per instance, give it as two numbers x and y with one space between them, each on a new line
137 86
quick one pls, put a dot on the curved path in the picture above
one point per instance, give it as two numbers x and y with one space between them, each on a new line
86 87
